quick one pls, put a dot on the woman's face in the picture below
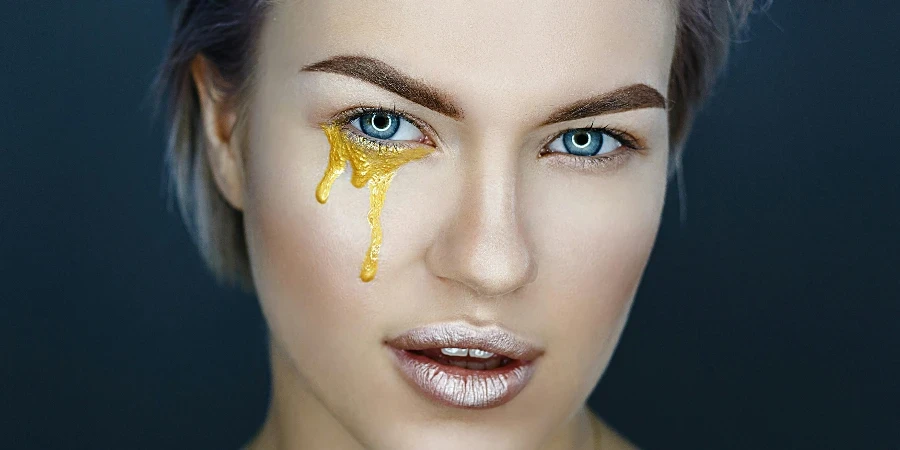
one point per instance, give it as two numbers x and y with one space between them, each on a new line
502 226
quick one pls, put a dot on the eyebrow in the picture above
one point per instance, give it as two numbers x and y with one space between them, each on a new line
386 77
635 96
381 74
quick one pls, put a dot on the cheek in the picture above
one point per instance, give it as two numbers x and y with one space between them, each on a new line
594 237
305 256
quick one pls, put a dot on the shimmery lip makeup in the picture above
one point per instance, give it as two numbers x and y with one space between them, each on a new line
458 386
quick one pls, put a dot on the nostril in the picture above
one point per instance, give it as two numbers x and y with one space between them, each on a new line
488 291
502 272
488 269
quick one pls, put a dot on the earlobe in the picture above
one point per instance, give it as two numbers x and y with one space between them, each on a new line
218 116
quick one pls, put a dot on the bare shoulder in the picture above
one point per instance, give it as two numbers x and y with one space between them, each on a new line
606 438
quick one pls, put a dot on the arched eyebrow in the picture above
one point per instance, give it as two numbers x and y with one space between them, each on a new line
628 98
383 75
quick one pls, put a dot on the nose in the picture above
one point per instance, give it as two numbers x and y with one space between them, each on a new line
483 243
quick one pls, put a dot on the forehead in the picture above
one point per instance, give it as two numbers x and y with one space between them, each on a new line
485 52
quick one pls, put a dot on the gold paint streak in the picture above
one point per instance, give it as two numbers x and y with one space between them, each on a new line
372 163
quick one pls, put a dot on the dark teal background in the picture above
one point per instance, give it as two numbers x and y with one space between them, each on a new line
769 319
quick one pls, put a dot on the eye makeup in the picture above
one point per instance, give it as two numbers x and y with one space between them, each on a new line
373 163
602 162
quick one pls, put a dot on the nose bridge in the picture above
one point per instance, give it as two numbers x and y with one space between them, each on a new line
484 244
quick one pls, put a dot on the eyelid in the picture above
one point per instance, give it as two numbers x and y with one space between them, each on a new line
344 118
625 138
629 141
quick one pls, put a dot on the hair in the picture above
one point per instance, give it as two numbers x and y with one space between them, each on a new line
226 32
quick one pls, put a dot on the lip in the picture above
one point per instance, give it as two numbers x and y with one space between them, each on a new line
460 387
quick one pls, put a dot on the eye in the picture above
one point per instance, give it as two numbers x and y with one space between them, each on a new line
584 142
386 125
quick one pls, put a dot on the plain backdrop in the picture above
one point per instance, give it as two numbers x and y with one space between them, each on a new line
769 318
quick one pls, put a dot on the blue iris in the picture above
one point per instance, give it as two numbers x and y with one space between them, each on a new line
583 142
379 124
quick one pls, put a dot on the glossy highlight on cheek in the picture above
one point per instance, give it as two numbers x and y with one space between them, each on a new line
373 163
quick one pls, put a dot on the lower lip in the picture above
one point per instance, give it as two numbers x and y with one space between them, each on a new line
463 388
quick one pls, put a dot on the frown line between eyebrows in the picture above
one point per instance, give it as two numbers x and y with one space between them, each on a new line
383 75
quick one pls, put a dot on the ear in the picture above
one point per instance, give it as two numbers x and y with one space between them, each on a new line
219 115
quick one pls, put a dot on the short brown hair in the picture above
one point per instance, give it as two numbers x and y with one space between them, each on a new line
225 32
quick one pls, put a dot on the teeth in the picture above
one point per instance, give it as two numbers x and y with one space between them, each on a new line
478 353
453 351
473 352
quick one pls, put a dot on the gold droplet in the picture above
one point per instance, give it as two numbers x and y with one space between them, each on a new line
374 164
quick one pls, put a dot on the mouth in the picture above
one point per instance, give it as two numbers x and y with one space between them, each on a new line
462 366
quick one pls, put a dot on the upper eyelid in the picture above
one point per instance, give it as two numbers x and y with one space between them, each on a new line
348 115
352 114
625 138
344 118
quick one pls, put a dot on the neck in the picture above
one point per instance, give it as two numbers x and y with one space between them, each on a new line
298 420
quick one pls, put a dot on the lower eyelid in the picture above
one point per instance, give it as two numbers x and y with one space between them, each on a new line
604 163
355 133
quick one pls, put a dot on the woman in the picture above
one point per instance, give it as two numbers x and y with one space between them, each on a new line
444 208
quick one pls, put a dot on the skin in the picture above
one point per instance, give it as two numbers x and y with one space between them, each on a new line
483 230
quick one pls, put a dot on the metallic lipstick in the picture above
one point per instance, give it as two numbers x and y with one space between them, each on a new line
457 386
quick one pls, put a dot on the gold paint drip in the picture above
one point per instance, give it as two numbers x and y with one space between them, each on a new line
372 163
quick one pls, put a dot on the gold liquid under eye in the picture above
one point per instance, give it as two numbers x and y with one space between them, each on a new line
372 163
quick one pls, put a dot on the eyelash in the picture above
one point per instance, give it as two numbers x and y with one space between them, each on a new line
628 141
598 163
344 118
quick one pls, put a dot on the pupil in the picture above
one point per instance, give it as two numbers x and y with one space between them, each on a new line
381 122
581 139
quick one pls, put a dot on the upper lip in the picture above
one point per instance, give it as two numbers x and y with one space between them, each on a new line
493 338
